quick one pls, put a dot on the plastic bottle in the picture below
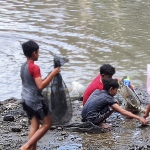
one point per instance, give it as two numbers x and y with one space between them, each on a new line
127 81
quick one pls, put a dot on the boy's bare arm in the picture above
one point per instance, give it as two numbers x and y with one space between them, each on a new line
41 84
147 111
124 112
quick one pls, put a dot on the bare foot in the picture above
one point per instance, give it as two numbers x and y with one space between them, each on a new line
104 125
24 148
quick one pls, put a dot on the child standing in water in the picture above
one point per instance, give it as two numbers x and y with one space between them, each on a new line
33 101
101 104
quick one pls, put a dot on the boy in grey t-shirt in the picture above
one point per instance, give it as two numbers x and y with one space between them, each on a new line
33 101
101 104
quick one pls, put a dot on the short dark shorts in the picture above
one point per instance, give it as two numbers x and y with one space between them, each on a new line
102 116
40 114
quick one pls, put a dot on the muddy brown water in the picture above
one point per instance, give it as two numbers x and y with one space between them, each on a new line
89 33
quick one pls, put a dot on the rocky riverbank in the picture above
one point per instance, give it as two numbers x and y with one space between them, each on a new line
125 134
13 124
14 127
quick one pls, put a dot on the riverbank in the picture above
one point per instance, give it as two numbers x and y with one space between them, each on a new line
14 128
125 134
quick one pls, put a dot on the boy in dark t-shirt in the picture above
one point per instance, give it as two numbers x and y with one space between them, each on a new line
32 99
101 104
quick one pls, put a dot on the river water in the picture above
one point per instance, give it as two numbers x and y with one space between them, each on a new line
88 32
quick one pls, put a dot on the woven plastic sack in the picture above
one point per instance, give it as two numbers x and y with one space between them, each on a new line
77 90
58 97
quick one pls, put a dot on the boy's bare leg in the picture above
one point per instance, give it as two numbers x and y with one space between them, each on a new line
104 125
47 122
33 128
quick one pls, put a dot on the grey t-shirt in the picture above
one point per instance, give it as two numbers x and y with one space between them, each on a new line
30 93
98 103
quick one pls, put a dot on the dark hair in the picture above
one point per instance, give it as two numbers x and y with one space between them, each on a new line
110 83
107 69
29 47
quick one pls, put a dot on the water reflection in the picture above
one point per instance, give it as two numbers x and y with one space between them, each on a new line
89 33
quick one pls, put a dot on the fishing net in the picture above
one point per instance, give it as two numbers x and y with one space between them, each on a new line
57 96
131 100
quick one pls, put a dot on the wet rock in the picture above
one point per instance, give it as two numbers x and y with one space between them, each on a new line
7 144
79 139
135 147
60 138
24 120
59 128
63 133
72 137
15 129
53 127
8 118
24 134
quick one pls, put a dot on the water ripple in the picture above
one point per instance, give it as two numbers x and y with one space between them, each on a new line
89 33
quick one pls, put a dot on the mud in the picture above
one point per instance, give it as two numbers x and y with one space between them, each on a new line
125 134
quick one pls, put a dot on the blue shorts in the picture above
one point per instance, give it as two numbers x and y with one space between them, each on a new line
39 114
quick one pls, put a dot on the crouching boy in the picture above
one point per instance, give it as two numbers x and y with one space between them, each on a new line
101 104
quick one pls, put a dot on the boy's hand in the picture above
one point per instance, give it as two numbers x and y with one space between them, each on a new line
119 80
143 120
56 71
146 115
